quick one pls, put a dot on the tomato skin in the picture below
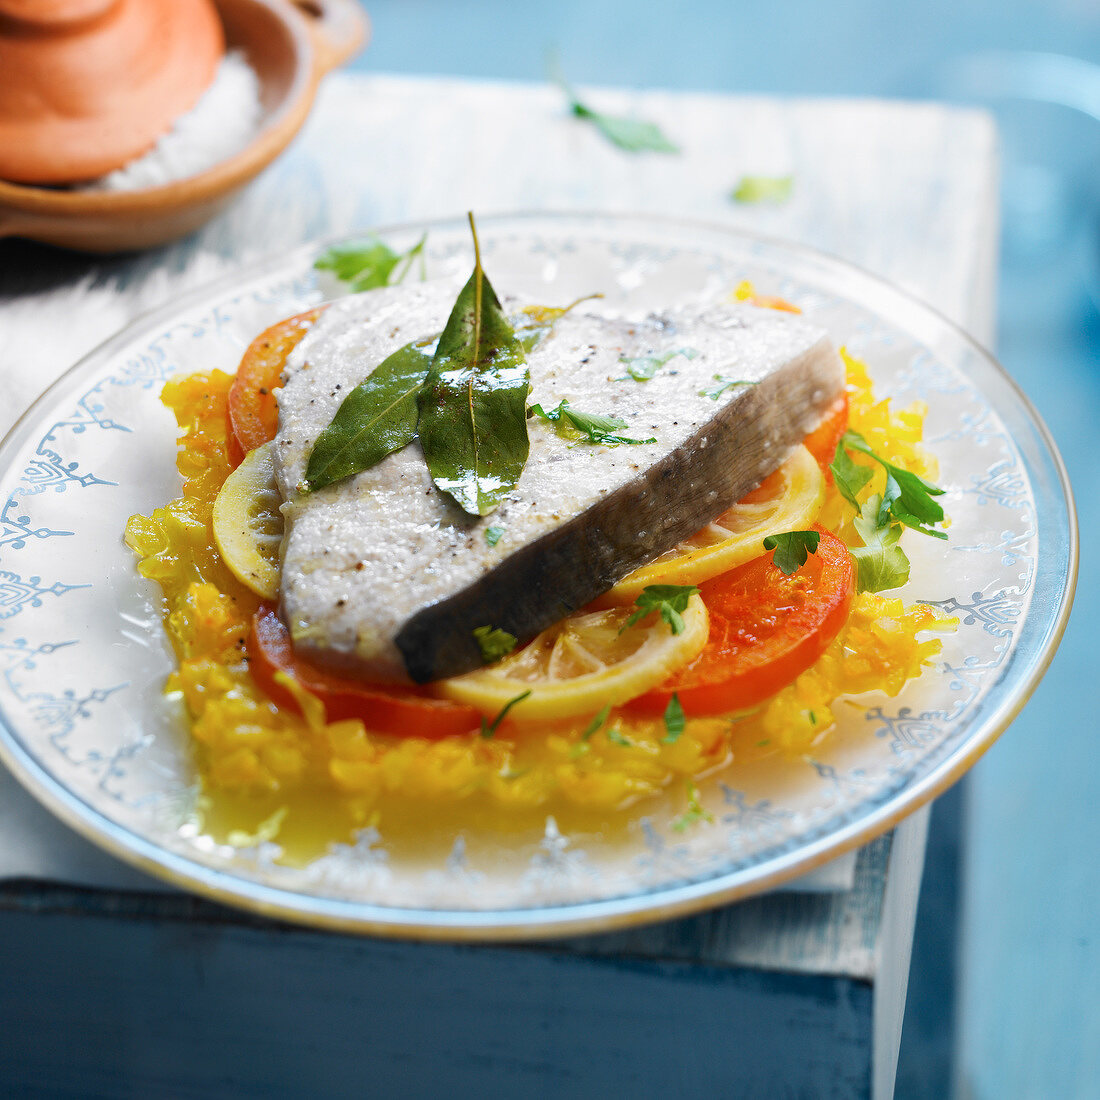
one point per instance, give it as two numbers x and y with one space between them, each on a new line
395 709
253 415
770 301
765 630
822 441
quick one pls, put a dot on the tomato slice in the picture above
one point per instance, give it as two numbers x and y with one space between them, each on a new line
407 712
822 441
765 629
253 415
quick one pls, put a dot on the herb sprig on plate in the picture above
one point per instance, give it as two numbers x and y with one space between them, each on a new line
908 501
369 263
670 601
594 427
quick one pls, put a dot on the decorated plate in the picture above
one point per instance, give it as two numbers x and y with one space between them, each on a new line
86 725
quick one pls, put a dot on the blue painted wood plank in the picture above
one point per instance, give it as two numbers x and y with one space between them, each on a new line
833 933
95 1005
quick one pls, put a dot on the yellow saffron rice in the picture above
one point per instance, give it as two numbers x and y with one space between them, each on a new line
245 745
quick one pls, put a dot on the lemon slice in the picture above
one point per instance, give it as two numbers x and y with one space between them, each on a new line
248 526
583 663
787 500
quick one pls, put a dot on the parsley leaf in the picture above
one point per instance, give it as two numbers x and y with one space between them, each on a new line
791 549
848 476
643 367
369 262
724 384
763 189
635 135
494 643
617 738
675 720
908 497
488 729
880 563
596 429
596 722
669 599
492 535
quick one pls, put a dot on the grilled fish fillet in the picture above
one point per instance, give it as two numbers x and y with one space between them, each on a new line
385 578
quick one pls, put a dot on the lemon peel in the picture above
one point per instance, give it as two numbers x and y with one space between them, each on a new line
789 500
583 663
247 523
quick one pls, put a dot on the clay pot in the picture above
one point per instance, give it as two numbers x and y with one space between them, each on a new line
89 85
290 45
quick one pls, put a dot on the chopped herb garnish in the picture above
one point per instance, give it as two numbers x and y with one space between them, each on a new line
848 476
674 720
595 428
492 535
488 729
635 135
617 738
908 497
714 392
695 811
763 189
494 643
792 549
671 600
643 367
906 502
369 263
596 722
881 563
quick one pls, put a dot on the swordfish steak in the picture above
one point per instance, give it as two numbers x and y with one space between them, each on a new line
384 577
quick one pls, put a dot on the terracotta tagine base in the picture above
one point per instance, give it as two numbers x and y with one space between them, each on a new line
89 85
290 45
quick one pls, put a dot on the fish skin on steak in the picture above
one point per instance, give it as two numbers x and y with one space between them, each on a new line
385 578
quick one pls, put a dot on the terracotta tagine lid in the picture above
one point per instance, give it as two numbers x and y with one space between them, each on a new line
88 85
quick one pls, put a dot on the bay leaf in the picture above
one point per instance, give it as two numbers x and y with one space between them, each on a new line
473 405
376 418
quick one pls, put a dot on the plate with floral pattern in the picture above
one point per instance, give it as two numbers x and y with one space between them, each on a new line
86 726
